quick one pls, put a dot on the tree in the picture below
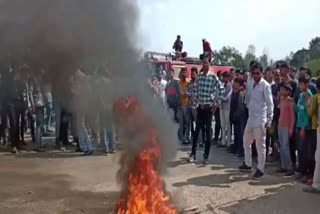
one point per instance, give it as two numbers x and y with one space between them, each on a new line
300 58
229 56
314 47
264 59
250 55
314 65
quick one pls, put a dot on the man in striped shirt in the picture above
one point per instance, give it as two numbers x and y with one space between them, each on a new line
209 95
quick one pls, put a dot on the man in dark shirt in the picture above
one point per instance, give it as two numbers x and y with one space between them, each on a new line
173 93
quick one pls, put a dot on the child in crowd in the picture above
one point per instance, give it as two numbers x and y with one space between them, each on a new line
315 187
225 111
184 116
286 128
237 116
311 136
303 127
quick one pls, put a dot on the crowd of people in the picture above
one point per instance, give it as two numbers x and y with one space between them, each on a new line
272 114
32 102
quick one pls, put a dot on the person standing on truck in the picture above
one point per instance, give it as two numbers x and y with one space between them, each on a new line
207 50
178 44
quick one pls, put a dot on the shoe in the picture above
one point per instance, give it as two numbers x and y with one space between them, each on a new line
258 175
39 150
192 158
61 148
15 150
245 168
88 153
281 170
205 161
310 189
289 173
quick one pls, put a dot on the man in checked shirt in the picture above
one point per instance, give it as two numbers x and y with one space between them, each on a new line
209 96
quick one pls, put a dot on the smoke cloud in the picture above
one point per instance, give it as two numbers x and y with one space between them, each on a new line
60 36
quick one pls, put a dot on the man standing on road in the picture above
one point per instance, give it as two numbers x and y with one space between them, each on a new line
260 119
225 111
209 96
184 117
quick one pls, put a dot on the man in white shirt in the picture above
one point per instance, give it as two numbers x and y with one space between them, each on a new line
260 119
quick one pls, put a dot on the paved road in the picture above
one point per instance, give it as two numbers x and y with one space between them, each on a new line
55 183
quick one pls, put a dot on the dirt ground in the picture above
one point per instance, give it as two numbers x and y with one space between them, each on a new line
66 183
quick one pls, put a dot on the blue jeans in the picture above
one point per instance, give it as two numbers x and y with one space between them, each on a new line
184 123
238 137
84 139
107 138
302 146
286 162
39 125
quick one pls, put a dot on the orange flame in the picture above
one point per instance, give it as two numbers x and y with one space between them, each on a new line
145 194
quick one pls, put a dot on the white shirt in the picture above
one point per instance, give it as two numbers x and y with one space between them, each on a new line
249 89
162 90
260 105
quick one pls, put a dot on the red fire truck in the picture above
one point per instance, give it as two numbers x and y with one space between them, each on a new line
162 61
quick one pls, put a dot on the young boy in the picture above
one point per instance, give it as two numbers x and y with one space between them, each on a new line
225 111
311 136
303 126
286 128
315 188
184 117
237 116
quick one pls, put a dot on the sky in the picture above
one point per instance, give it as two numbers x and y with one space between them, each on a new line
277 26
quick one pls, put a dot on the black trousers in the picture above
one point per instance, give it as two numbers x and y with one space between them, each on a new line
204 119
64 127
20 118
174 107
9 111
217 128
4 118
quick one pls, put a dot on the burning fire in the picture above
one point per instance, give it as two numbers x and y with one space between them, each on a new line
145 193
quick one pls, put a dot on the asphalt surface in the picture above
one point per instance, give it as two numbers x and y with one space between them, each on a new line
64 182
